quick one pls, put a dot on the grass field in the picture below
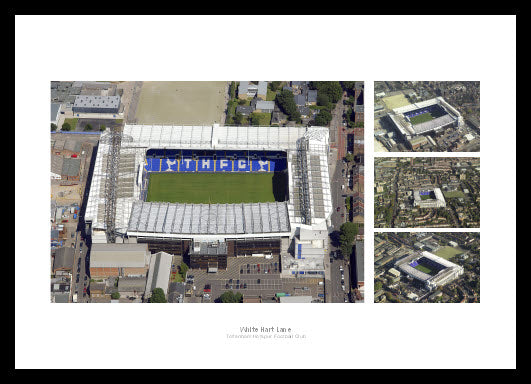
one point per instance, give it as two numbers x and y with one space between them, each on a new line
449 252
264 119
395 101
181 102
217 188
421 118
424 269
72 122
453 194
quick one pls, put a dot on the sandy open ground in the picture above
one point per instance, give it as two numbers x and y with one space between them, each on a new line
395 101
182 102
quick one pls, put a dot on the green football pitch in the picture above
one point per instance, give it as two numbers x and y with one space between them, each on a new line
217 188
421 118
424 269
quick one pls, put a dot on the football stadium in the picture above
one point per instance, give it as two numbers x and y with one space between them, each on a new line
430 270
212 192
425 117
428 198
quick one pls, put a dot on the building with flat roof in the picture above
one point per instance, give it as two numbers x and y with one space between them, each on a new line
295 299
96 104
116 259
71 168
55 111
63 259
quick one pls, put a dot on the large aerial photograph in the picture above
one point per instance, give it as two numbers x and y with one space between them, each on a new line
207 192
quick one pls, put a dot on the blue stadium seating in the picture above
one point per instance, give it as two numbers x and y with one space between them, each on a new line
158 160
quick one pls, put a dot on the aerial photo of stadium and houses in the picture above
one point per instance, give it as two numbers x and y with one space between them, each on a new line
237 206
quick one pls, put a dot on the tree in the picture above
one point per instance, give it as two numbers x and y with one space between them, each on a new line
232 90
322 99
183 268
348 85
330 88
158 296
53 127
66 127
238 118
349 157
231 297
115 295
286 102
102 128
88 127
347 233
274 85
323 118
377 286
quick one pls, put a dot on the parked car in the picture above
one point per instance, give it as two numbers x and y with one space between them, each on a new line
337 209
207 288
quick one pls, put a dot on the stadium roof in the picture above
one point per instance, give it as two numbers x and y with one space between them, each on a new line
208 219
433 124
137 139
406 128
214 137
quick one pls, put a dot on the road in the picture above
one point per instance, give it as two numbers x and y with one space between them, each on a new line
81 269
338 295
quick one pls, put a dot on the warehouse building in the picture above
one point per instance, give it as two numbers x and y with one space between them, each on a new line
96 104
121 260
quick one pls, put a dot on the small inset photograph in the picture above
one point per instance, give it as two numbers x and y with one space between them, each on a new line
426 116
426 267
430 192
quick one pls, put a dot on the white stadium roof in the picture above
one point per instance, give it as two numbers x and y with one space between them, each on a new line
209 219
406 128
137 139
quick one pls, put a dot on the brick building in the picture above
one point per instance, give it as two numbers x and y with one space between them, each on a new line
122 260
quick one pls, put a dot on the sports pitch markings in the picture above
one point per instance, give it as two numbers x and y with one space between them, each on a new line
212 188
